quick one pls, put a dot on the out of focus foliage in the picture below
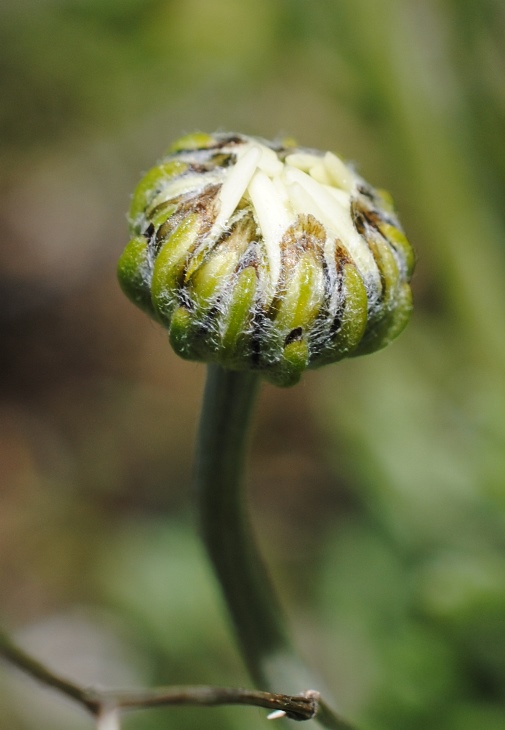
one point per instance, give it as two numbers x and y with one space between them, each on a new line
378 484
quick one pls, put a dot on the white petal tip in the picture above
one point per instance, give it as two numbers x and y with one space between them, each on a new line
276 715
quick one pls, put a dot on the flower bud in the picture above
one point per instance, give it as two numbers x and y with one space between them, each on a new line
266 256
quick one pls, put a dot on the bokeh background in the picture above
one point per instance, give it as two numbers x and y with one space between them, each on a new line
377 485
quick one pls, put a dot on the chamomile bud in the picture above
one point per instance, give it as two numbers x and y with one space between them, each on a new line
265 256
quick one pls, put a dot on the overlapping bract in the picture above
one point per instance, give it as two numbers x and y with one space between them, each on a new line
266 256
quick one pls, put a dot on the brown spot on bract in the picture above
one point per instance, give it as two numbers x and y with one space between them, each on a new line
305 234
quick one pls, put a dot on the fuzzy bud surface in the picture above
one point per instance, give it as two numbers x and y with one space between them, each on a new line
266 256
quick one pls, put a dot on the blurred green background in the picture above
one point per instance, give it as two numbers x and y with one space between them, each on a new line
378 485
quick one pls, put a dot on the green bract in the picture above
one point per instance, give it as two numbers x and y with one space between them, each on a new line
266 256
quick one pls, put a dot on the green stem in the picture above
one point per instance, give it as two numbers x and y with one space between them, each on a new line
227 409
252 602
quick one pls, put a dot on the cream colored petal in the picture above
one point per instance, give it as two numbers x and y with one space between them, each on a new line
320 173
302 160
269 162
338 172
273 219
235 185
335 218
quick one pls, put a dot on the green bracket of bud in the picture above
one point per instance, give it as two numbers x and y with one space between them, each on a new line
235 340
133 274
169 267
150 185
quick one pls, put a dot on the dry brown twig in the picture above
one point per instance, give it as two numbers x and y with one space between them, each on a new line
106 705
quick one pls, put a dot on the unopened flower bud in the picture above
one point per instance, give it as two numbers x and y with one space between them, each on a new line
266 256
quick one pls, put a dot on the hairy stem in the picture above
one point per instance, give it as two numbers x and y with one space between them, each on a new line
249 594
